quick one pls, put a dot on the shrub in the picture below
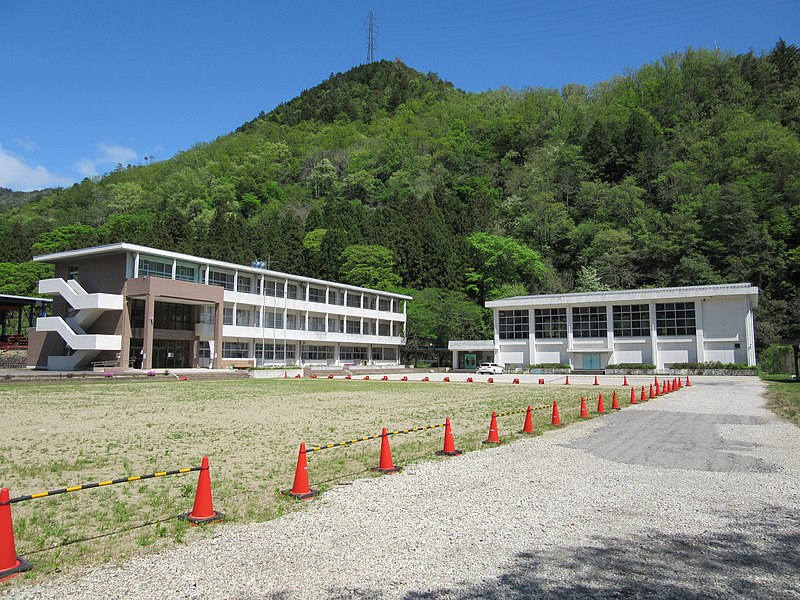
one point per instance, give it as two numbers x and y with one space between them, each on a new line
549 366
714 364
642 366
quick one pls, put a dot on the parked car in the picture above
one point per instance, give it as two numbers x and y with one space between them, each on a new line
490 369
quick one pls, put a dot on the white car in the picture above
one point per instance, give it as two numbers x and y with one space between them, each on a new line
489 369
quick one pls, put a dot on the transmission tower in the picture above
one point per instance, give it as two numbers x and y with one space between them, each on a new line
370 36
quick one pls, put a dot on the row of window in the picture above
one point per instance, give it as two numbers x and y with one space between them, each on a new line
297 322
672 318
308 352
249 285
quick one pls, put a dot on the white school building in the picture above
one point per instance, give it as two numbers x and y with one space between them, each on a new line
589 331
127 305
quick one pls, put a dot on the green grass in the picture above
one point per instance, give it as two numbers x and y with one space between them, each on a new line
783 396
74 432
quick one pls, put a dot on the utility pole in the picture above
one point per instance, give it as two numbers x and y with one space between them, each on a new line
371 36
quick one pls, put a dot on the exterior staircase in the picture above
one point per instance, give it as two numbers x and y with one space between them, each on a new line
85 346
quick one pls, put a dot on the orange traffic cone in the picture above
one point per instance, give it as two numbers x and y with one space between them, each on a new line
584 412
203 510
330 375
655 380
675 385
658 390
615 401
678 379
688 383
298 376
446 379
494 436
595 381
469 379
404 378
643 397
652 393
426 378
601 409
624 381
10 563
385 378
449 445
528 426
313 376
386 465
348 376
556 418
516 380
366 377
300 489
566 380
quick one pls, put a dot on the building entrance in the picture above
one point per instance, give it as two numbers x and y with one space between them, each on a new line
172 354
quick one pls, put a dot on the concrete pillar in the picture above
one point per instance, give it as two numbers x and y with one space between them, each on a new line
149 318
216 354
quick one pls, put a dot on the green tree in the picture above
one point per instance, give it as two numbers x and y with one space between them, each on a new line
499 260
369 266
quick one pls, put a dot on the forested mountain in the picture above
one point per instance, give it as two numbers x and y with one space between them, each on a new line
685 171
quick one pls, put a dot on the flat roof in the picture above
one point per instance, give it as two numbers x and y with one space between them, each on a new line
124 247
21 300
697 291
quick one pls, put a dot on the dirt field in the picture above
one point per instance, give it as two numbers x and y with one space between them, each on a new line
56 435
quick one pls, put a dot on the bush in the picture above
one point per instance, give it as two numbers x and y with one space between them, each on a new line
641 366
714 364
776 359
549 366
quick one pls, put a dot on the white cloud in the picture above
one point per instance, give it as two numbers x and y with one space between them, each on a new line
26 143
17 175
107 157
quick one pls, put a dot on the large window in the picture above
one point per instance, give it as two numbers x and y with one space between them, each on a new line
316 353
227 316
221 279
370 302
335 325
384 354
675 318
550 322
316 323
243 317
275 351
274 320
297 322
244 284
353 300
353 326
353 353
173 316
273 288
632 321
384 304
384 329
153 268
514 325
316 295
589 322
336 297
184 273
235 350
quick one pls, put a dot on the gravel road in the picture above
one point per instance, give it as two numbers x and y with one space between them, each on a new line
692 495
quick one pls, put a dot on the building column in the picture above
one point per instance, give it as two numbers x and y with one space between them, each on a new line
125 351
653 334
216 353
699 335
149 318
610 333
750 337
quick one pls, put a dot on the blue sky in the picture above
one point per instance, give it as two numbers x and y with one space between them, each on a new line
89 84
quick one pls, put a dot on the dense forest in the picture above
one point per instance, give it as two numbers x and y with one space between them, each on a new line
683 172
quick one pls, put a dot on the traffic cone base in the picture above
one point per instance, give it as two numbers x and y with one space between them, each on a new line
203 510
10 564
300 489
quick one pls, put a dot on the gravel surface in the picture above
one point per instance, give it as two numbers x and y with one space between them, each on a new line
691 495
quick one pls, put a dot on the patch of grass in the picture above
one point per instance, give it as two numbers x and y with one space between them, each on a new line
783 397
74 432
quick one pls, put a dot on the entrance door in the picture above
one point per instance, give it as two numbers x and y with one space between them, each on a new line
171 354
470 360
591 361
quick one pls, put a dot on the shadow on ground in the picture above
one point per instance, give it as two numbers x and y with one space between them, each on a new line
756 557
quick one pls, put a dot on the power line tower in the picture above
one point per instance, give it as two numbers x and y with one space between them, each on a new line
370 36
